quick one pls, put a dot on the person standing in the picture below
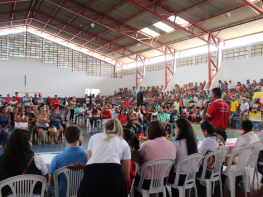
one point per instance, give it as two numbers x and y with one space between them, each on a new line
55 103
34 100
233 110
244 108
218 113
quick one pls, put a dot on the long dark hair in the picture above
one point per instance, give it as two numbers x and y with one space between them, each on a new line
133 138
94 111
16 152
187 133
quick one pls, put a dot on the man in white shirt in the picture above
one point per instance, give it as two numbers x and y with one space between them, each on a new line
230 85
244 108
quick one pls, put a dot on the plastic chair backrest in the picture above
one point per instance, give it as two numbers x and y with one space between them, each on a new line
218 156
23 185
243 156
194 162
159 168
73 180
254 156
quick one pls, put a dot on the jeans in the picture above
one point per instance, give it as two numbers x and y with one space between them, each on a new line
51 190
95 120
139 127
170 128
76 116
72 111
4 135
232 116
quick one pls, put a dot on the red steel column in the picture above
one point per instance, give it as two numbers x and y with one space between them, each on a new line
209 66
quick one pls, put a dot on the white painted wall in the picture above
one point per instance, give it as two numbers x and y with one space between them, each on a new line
50 80
240 70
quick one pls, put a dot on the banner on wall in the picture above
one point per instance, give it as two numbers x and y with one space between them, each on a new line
255 107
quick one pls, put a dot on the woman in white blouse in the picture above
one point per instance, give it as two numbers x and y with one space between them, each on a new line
247 137
186 144
212 142
103 174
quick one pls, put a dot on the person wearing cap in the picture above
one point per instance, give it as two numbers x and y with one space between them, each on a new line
127 101
233 110
18 99
105 115
230 85
244 108
248 83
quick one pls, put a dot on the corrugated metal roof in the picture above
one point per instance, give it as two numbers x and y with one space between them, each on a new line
242 21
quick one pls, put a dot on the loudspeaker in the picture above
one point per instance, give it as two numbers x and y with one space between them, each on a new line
139 99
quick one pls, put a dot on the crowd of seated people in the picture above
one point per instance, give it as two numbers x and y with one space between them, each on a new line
112 157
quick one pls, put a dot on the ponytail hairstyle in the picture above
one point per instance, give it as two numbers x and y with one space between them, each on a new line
114 128
129 136
211 130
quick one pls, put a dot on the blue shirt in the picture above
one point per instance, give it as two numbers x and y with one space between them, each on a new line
66 158
221 85
114 115
53 120
27 103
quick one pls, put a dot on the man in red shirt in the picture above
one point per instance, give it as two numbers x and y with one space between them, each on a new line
18 99
218 113
55 103
7 99
127 101
79 101
105 115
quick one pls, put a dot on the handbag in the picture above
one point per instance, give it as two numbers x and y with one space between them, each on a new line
44 125
30 161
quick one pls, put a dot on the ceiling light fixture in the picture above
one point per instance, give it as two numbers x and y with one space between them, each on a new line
163 26
92 25
138 45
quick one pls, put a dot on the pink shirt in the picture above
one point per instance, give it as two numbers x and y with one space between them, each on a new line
159 148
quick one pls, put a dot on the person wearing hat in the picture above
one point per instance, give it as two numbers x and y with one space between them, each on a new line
244 108
233 110
230 85
105 115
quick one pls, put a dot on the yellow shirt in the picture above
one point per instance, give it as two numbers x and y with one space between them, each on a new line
234 105
176 106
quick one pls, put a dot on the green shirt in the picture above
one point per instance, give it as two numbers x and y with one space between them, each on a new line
162 117
78 110
176 106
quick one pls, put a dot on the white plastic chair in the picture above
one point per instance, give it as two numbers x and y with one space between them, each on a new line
194 162
73 181
159 168
238 169
219 157
23 185
253 162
